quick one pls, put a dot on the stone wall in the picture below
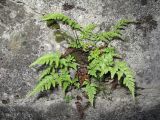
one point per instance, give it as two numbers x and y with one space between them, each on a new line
24 37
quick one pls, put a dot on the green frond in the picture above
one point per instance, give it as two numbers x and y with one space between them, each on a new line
91 90
44 84
108 36
65 86
101 63
58 17
69 62
45 72
89 28
101 60
128 81
115 33
47 59
52 76
87 32
121 24
94 54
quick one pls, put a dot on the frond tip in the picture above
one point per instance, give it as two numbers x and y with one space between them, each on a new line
91 90
58 17
47 59
126 72
44 84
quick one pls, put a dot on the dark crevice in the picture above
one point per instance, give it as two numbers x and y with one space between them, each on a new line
146 24
3 2
143 2
68 6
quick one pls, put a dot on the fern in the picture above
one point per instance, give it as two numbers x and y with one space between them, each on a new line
45 72
44 84
57 17
69 62
108 36
115 33
121 24
124 72
47 59
101 64
101 59
51 75
123 69
91 90
87 32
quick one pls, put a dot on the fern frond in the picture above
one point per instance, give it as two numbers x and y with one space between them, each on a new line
58 17
128 81
44 84
65 86
45 72
121 24
115 33
87 32
91 90
68 62
101 63
89 28
94 54
109 36
47 59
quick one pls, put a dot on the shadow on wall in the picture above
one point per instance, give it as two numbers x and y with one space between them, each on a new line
144 2
133 114
146 24
3 2
63 112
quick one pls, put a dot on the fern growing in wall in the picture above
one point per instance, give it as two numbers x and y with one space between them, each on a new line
101 60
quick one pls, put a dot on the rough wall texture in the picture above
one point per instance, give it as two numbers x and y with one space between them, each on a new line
24 37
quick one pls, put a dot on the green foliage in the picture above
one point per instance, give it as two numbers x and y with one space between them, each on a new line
121 24
45 72
44 84
56 72
57 17
87 32
115 33
100 63
102 60
86 39
91 90
47 59
122 70
109 36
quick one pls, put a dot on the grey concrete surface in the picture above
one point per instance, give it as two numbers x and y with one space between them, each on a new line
24 37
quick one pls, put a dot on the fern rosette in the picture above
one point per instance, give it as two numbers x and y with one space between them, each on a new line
102 60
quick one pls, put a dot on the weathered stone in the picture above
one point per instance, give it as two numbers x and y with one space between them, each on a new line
24 37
